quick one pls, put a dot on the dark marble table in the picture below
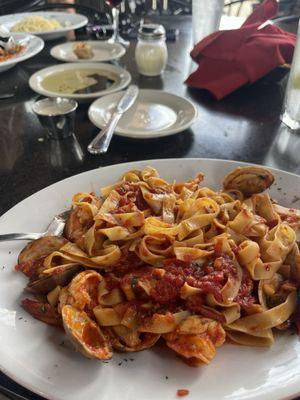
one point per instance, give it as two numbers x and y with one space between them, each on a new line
244 126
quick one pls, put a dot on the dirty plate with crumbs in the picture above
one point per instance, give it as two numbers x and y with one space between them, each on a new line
83 82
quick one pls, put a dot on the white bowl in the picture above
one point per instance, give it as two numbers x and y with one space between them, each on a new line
122 77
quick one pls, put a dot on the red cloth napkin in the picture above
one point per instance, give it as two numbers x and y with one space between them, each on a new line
229 59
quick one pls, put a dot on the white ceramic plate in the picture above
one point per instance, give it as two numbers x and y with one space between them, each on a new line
32 353
69 22
103 51
154 114
33 45
121 76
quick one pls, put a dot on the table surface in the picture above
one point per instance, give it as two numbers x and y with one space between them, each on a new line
244 126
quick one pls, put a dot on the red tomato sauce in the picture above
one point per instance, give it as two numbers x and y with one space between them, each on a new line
129 261
167 289
31 268
210 278
195 304
245 295
131 193
111 282
42 311
290 218
91 337
182 392
271 224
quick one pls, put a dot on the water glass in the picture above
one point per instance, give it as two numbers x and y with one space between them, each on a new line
206 17
291 113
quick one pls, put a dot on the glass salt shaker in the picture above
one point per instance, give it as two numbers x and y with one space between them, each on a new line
151 52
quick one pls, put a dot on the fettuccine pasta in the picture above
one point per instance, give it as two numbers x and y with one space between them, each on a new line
151 260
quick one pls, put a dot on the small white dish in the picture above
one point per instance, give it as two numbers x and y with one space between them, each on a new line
68 21
39 81
154 114
103 51
33 45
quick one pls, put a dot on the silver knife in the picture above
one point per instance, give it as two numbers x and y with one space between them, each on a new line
101 142
55 228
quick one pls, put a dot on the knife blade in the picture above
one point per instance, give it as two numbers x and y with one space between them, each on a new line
101 142
127 99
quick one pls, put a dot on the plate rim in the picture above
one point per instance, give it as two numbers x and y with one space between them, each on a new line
39 47
34 84
61 30
35 389
149 135
121 53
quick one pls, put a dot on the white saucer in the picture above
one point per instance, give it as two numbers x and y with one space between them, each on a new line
154 114
103 51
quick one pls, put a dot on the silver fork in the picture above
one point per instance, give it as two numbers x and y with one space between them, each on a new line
55 228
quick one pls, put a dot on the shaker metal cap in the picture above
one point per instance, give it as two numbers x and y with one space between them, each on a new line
151 32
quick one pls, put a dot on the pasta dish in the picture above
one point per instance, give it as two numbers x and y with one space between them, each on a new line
36 23
178 262
9 48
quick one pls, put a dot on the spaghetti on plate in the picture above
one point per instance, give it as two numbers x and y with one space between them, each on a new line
36 23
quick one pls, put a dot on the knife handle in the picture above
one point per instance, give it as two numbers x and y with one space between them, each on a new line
101 142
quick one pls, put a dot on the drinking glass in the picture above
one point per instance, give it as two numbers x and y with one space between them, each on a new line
206 17
116 37
291 113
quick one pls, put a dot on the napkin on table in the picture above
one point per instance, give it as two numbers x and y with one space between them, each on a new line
229 59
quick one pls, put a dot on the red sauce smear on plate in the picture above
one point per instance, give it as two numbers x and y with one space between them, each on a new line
182 392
